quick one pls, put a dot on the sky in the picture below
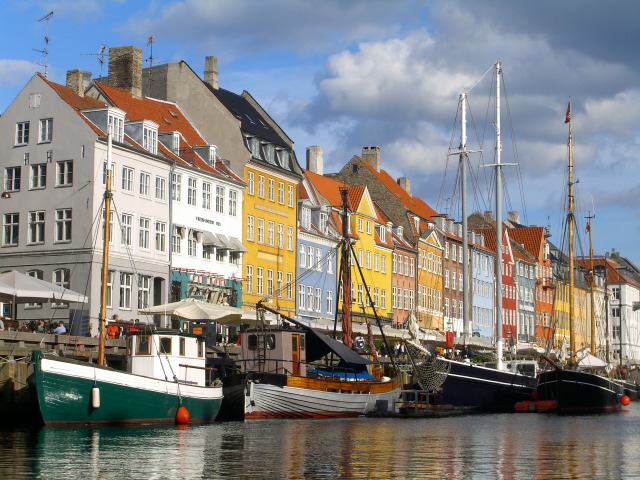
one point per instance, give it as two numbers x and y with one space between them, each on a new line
345 74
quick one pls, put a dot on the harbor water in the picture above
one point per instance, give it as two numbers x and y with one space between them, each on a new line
504 446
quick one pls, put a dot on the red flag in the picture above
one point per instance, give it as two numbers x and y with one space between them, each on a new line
567 117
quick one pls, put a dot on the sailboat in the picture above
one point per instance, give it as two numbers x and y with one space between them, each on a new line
294 371
572 389
166 379
462 384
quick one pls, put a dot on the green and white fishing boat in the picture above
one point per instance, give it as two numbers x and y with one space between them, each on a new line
165 380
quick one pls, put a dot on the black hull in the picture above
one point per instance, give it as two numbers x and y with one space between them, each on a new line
233 389
579 392
486 389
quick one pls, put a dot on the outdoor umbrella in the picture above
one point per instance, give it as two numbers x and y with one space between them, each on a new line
21 288
194 309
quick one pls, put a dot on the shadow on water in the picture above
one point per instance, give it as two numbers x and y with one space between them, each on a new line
507 446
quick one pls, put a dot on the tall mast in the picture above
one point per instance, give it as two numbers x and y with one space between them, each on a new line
591 287
345 267
465 253
571 226
498 166
105 256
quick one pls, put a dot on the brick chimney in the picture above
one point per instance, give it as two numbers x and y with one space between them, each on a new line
77 80
514 216
211 71
371 155
405 184
314 159
125 69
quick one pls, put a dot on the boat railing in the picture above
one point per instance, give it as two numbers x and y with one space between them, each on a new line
209 371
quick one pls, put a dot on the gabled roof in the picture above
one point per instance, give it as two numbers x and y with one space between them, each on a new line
531 237
414 204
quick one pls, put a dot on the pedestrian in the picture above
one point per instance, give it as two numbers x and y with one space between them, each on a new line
60 329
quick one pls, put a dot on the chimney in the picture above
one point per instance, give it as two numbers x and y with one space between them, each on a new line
77 80
488 216
405 184
514 217
371 155
211 71
314 159
125 69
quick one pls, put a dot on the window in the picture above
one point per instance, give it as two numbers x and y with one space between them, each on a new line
36 227
10 229
192 245
310 258
261 230
272 187
143 234
110 224
318 300
176 186
127 179
249 282
161 188
271 233
62 278
279 285
206 195
22 133
250 183
259 286
38 177
40 276
329 301
64 173
150 140
383 265
360 225
290 238
250 228
63 225
301 297
254 143
161 236
219 199
289 286
176 240
127 225
303 256
269 282
280 236
309 298
46 130
125 290
143 346
145 183
144 289
12 179
116 122
290 196
260 186
281 193
233 203
192 191
305 217
208 251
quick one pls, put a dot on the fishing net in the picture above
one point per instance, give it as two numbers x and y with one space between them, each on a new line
430 370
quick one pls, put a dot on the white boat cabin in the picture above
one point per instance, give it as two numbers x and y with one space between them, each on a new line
274 351
163 354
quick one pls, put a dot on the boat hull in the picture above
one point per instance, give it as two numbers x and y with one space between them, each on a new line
579 392
269 396
481 388
63 389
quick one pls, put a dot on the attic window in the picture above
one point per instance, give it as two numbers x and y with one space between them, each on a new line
173 114
263 124
150 139
167 120
249 118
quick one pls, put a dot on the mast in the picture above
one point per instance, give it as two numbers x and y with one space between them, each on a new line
345 271
105 256
591 287
571 226
465 251
498 165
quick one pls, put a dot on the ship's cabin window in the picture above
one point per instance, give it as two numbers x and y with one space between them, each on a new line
201 349
252 342
165 345
302 337
182 347
270 341
143 347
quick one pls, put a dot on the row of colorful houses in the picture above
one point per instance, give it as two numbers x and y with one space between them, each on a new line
209 200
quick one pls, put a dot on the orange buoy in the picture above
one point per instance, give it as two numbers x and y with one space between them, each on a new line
182 415
625 400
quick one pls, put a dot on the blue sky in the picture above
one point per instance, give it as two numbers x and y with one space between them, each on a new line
348 74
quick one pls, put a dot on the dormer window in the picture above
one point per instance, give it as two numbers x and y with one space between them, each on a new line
270 152
254 146
323 222
213 151
382 234
150 137
416 222
175 143
305 217
283 157
116 125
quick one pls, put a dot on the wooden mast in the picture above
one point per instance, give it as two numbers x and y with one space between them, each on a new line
591 287
345 271
105 256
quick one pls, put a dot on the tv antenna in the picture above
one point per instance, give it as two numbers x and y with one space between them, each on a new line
101 54
45 51
150 60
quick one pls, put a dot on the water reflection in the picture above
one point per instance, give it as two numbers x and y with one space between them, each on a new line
515 446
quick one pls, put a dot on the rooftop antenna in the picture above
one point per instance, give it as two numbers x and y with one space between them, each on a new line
150 45
45 52
101 54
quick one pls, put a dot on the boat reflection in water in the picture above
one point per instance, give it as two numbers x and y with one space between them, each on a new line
492 446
